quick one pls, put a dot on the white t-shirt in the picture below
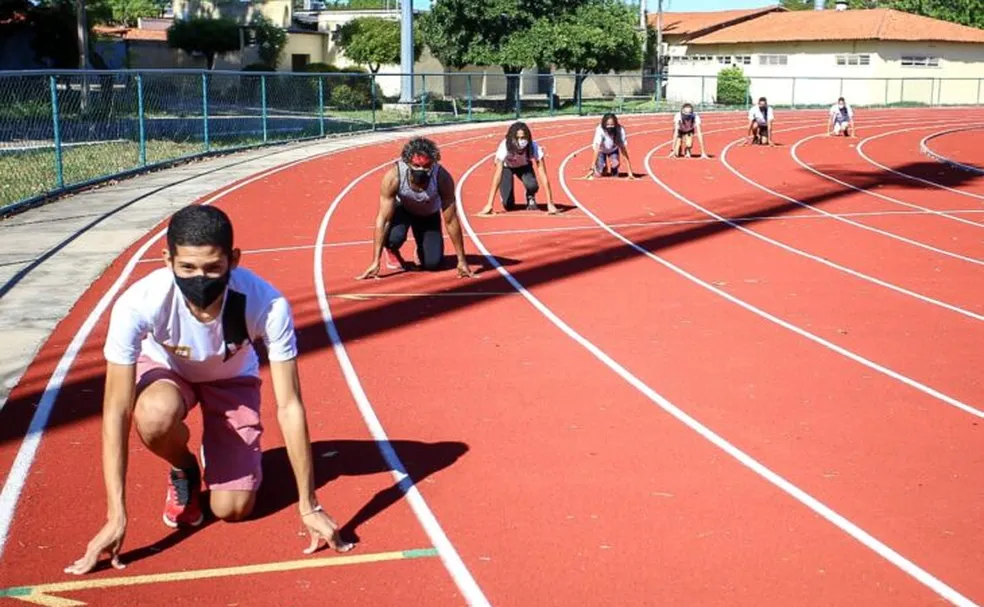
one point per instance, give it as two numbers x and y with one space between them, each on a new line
535 149
152 319
604 141
835 112
679 118
756 114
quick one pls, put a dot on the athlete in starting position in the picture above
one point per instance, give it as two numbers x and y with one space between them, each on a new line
841 119
685 125
519 156
183 336
417 194
609 144
761 118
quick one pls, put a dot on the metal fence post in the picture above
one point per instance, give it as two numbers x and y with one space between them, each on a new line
372 97
321 104
553 92
902 91
792 100
621 95
205 110
979 90
423 99
140 121
519 93
263 106
59 161
468 88
887 81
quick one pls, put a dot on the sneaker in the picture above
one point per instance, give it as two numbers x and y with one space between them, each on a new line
183 504
393 259
531 203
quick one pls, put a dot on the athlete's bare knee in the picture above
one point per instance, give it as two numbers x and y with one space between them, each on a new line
158 411
232 506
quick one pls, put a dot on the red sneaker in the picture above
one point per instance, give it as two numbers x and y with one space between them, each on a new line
183 504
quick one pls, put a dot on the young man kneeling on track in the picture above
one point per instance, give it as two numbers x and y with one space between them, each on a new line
841 119
609 144
686 124
417 194
183 336
761 118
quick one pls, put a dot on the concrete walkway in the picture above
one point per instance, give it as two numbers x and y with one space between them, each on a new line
51 254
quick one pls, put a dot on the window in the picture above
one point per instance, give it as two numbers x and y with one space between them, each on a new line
773 59
920 61
743 59
724 59
853 60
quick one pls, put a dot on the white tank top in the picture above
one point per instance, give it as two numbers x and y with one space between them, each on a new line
418 202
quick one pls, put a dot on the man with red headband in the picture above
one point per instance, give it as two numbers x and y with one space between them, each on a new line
417 194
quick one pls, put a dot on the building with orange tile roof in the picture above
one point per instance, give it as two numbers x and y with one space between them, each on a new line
872 57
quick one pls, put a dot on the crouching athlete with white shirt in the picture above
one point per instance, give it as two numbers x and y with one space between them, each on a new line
184 336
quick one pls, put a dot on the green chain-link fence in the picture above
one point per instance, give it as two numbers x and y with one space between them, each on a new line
63 130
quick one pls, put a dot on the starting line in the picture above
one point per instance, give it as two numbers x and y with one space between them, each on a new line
42 594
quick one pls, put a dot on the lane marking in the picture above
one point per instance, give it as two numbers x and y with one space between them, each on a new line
915 243
40 594
924 147
860 150
870 192
748 461
17 476
449 555
595 228
369 296
766 315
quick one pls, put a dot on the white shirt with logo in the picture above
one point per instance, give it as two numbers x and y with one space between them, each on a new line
151 318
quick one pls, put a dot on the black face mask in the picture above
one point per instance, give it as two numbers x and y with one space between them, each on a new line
610 130
419 177
202 291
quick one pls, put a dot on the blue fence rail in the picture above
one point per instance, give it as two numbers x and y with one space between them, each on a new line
64 130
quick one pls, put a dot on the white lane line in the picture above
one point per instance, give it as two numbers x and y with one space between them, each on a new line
924 147
743 458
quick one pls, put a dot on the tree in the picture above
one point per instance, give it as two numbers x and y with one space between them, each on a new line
373 42
600 36
209 37
489 32
270 40
122 12
964 12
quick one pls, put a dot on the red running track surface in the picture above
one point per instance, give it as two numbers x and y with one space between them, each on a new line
555 480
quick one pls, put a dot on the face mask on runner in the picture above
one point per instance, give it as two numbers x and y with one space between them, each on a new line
201 290
687 111
419 177
522 143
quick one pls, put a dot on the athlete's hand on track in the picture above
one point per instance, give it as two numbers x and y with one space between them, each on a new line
371 272
108 540
464 271
321 526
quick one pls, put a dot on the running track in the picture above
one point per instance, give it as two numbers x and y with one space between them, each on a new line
748 380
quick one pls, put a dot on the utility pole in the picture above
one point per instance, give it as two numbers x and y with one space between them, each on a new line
659 50
83 34
406 50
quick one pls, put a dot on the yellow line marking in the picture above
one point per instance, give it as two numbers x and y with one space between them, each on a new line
42 593
368 296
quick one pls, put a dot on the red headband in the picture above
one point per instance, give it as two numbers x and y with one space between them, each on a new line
421 159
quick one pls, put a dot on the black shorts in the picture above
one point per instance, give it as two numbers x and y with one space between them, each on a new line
682 134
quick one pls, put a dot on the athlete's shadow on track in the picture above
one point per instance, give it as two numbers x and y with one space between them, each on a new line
337 458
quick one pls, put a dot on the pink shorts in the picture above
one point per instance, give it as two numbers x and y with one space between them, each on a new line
231 424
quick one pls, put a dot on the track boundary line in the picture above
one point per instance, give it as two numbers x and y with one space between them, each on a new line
924 147
869 192
860 151
797 202
41 594
748 461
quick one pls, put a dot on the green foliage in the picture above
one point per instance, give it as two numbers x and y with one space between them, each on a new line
965 12
373 41
122 12
344 97
270 39
209 37
732 86
599 37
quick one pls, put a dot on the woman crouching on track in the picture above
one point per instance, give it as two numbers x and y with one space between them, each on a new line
519 156
417 194
609 146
